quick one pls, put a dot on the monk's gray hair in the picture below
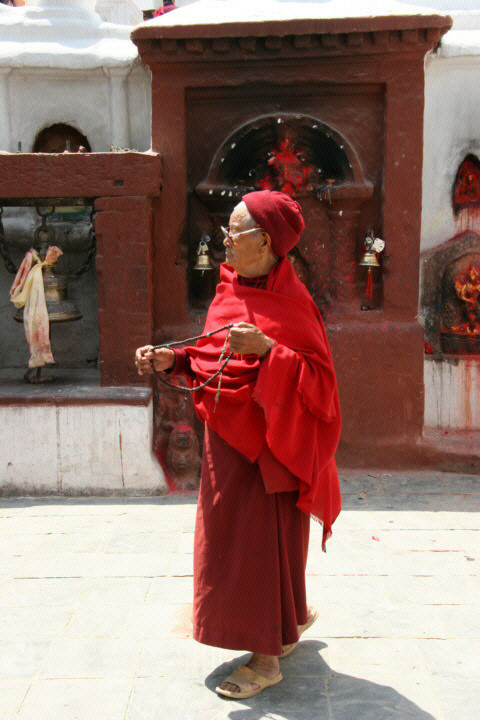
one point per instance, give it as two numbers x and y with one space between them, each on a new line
250 222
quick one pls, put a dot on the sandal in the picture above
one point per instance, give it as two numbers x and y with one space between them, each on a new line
244 677
308 624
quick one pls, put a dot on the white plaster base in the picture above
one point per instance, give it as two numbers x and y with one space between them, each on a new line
452 393
79 449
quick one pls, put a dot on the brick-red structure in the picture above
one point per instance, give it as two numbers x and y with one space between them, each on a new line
362 81
124 188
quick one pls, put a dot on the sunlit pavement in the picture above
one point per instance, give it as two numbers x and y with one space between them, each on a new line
95 607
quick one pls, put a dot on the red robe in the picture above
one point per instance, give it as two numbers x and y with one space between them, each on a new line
267 464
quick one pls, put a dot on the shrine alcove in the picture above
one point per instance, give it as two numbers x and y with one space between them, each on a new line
60 137
312 162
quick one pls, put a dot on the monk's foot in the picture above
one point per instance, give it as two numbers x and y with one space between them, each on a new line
265 665
310 614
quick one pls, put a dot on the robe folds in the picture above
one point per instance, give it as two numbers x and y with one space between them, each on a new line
249 556
267 464
282 411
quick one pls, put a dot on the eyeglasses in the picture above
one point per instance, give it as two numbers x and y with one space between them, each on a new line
227 233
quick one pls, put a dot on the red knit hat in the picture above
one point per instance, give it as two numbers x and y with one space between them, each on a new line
279 215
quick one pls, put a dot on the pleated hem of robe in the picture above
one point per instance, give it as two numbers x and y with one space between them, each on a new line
231 640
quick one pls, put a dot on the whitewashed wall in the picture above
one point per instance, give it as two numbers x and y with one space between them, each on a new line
110 106
79 449
60 63
452 393
451 131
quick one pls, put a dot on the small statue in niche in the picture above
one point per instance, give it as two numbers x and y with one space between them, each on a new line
467 288
466 192
460 325
183 461
287 169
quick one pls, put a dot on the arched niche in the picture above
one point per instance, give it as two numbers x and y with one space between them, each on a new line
59 137
254 156
312 162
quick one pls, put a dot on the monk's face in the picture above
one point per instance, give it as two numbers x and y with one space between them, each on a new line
249 254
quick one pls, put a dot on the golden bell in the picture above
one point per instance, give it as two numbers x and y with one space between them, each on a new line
203 260
369 259
59 307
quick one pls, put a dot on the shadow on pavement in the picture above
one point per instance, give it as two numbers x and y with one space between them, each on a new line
310 690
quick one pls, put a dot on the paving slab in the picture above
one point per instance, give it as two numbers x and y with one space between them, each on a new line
91 658
96 604
76 699
450 658
12 693
379 698
458 697
22 658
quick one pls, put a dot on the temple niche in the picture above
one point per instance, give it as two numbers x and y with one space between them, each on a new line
60 137
314 104
315 164
450 307
460 300
70 285
466 195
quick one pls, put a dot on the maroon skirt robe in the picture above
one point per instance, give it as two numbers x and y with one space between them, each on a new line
250 553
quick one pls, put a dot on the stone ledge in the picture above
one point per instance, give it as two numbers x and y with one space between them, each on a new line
70 387
80 448
85 175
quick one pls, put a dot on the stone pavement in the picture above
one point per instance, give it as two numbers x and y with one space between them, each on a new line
95 602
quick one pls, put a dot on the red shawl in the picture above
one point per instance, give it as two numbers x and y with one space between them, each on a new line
282 411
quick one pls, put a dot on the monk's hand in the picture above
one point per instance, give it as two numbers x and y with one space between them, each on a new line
245 339
163 359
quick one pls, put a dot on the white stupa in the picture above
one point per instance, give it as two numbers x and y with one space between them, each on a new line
62 33
60 63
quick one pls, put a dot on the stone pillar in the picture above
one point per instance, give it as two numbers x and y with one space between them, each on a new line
119 121
123 228
5 112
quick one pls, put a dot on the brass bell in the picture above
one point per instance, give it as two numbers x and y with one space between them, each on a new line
203 259
59 307
369 259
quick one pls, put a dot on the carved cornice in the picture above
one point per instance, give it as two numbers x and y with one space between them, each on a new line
171 49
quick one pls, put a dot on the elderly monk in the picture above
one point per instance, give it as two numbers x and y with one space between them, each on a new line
268 456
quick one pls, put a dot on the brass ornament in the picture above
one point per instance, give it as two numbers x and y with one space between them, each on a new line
203 259
369 259
59 307
372 247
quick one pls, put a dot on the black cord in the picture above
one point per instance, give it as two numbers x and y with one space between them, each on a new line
184 388
195 337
